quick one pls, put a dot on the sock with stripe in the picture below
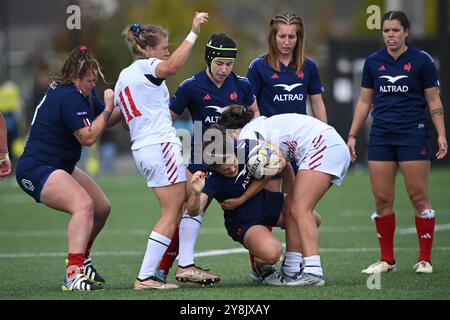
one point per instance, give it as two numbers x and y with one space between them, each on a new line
291 263
313 265
156 246
75 263
189 230
385 231
425 232
171 253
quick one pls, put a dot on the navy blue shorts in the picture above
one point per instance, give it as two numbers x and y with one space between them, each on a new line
268 216
398 150
32 174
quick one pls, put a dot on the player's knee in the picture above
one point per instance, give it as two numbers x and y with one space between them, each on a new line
383 203
273 254
318 218
297 211
419 201
384 198
105 209
85 206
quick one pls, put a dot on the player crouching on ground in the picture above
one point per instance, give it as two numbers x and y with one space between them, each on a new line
246 224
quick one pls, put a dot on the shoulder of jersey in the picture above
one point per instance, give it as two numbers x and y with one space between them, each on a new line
374 55
256 61
65 90
310 62
243 79
187 81
426 55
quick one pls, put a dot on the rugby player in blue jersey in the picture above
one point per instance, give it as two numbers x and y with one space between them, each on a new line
205 96
399 83
247 224
70 116
283 79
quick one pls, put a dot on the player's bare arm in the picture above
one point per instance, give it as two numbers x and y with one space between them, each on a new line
437 116
180 55
87 136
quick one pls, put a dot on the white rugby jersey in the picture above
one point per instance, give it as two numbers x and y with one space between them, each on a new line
293 133
144 101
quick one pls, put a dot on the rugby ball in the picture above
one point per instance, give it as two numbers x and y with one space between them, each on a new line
262 157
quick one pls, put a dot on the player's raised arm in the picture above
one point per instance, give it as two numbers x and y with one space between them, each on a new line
180 55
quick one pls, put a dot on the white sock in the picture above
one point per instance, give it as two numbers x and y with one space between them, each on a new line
189 229
156 246
428 214
292 263
312 265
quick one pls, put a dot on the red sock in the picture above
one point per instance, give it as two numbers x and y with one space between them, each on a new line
386 229
88 249
252 258
425 232
75 259
171 253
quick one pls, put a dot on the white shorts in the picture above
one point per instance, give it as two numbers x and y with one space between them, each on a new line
161 164
328 153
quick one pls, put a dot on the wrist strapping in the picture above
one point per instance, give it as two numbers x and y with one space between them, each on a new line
191 37
4 159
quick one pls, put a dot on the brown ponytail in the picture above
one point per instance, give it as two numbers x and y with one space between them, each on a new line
77 65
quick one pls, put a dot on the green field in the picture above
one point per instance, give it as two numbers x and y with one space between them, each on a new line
33 244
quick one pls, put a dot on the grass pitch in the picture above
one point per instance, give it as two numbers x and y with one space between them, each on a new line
33 245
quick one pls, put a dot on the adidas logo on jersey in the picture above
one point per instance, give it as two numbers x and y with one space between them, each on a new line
207 97
274 76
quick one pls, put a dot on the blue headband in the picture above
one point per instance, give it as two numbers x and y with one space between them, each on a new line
136 29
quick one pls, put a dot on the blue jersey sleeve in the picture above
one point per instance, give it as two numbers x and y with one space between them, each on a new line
429 72
76 112
367 79
211 185
314 84
254 77
99 105
180 100
249 96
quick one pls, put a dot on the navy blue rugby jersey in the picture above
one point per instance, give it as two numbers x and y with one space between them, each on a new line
285 91
399 100
221 188
60 113
206 102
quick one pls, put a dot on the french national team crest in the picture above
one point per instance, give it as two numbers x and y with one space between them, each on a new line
407 67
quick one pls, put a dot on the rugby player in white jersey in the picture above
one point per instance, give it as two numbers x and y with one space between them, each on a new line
323 160
143 97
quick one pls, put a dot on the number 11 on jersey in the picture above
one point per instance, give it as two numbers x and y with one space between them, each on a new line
135 111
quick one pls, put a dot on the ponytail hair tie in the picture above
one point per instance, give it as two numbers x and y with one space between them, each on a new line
136 29
83 49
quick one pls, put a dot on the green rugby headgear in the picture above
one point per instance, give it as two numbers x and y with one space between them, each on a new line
219 46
